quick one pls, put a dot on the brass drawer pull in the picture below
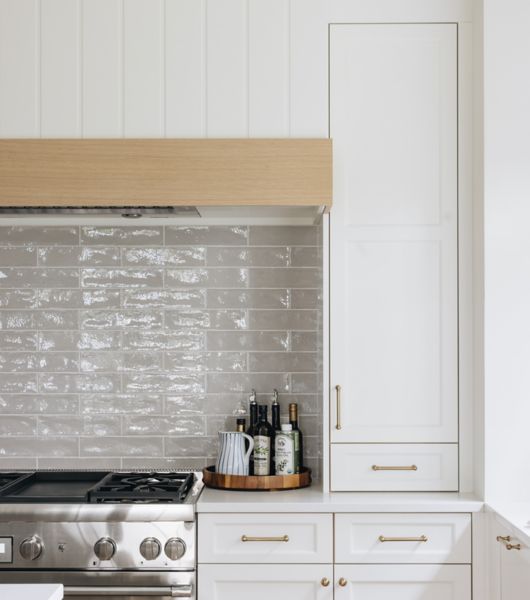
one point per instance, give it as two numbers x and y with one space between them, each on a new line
250 538
422 538
324 582
506 540
378 468
343 582
338 389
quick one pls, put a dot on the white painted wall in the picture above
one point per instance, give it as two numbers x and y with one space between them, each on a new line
507 247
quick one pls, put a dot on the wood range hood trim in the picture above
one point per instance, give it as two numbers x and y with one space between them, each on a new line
283 172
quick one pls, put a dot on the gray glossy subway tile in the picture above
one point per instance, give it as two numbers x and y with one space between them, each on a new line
206 361
29 277
17 464
184 447
121 278
18 299
91 425
78 462
216 423
207 319
184 298
57 362
202 235
286 235
79 383
247 340
79 340
190 383
79 256
163 257
23 425
48 299
39 404
304 383
182 404
56 319
38 446
248 257
243 298
122 319
274 362
211 278
100 362
164 340
39 235
306 256
130 404
15 319
17 257
243 382
17 361
171 464
283 319
163 425
19 383
122 446
304 341
306 299
14 340
121 236
303 277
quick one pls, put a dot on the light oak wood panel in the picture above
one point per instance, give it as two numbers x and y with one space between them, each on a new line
151 172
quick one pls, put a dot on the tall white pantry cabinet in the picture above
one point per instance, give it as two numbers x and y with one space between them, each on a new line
394 257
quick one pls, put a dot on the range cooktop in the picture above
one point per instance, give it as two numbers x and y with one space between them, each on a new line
95 487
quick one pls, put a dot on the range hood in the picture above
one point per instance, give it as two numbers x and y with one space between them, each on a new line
217 179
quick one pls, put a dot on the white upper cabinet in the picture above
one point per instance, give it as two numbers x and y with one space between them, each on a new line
394 272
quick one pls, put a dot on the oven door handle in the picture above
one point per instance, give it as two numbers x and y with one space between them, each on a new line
176 591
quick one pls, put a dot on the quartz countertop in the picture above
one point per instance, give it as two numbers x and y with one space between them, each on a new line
32 591
312 500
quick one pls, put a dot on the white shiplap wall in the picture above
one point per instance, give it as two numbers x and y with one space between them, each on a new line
155 68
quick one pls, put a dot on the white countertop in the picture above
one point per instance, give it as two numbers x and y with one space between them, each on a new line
516 515
313 500
31 591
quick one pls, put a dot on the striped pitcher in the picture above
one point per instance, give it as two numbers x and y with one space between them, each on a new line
233 460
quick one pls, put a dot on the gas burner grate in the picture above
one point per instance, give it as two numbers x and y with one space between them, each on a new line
143 488
7 478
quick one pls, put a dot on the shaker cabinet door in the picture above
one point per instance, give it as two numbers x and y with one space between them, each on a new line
393 297
265 582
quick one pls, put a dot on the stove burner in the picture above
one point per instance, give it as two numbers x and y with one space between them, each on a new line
7 478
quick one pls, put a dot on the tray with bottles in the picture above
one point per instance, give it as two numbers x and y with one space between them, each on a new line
261 483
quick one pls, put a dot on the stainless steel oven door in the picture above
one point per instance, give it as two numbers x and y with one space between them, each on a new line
113 585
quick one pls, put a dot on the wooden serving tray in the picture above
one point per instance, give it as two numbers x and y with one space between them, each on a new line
258 483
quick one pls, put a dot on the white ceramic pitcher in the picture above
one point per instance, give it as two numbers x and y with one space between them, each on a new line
232 459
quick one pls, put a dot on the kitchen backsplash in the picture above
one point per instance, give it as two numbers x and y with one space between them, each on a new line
130 347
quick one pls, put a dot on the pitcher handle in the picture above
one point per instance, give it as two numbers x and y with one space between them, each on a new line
250 439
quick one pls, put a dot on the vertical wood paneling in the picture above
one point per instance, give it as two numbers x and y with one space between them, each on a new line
185 68
227 68
60 68
268 52
102 68
19 68
309 68
143 68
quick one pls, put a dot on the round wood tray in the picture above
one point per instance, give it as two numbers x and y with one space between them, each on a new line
258 483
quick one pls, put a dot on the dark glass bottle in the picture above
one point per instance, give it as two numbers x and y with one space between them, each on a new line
298 437
263 439
240 425
253 410
275 409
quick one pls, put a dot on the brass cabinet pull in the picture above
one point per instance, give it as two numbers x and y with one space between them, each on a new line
421 538
379 468
250 538
343 582
324 582
338 390
506 540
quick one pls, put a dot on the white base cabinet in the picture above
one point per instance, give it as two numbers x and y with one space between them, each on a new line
265 582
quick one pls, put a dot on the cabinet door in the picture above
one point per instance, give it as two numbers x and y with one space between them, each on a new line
393 103
265 582
515 570
403 582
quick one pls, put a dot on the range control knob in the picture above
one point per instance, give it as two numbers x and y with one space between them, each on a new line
31 548
150 548
105 548
175 548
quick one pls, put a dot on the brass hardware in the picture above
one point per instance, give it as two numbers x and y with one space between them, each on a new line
249 538
506 540
422 538
338 389
378 468
343 582
324 582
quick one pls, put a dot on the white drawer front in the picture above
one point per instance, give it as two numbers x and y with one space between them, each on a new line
265 538
394 467
403 538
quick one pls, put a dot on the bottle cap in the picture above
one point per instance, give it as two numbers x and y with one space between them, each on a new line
287 427
240 421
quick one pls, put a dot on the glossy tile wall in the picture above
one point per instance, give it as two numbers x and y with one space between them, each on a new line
130 347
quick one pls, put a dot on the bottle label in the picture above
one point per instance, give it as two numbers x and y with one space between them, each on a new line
285 455
262 455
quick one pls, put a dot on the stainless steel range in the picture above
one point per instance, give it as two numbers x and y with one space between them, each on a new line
102 535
